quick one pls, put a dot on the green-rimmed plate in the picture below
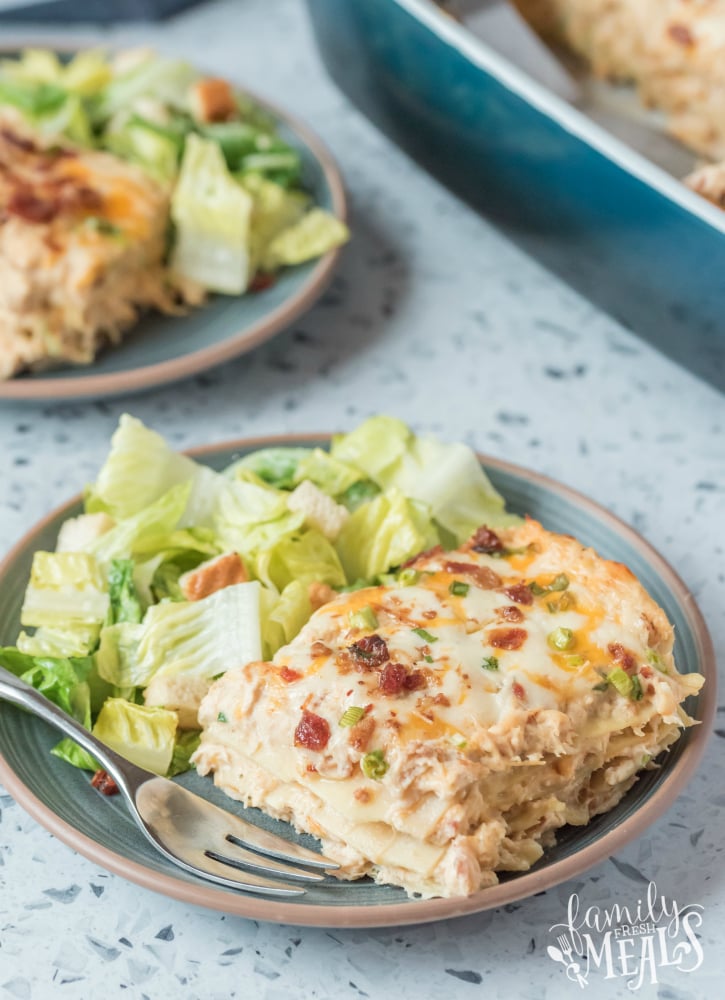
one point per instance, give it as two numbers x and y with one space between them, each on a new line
61 798
161 349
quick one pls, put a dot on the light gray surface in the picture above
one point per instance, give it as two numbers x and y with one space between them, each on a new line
435 318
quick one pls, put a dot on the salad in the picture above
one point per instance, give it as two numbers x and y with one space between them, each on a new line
130 619
237 205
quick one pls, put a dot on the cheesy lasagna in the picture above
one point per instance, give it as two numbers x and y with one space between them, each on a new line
82 245
441 728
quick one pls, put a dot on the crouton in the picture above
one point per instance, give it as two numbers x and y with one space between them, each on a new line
76 534
215 574
320 510
212 100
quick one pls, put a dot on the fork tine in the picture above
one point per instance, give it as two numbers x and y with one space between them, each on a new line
255 839
237 857
212 870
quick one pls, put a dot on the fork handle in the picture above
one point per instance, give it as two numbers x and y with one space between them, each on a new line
126 775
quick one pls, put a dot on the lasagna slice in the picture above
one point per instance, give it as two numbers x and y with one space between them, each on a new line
674 50
82 247
440 729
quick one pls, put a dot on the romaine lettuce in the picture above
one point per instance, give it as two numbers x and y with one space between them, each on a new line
66 589
283 616
315 234
141 734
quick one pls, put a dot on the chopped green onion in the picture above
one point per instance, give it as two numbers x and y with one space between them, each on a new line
222 717
561 639
656 660
374 765
364 618
351 715
575 660
99 225
620 680
646 758
563 603
408 577
636 694
560 582
428 658
458 740
458 588
425 635
602 686
536 589
490 663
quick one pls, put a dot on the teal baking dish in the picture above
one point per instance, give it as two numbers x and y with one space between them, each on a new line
614 225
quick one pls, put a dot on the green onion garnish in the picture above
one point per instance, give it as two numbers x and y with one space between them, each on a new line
575 660
560 582
561 639
364 618
636 694
536 589
428 658
222 717
374 765
351 715
646 758
458 588
620 680
407 577
602 686
425 635
656 660
490 663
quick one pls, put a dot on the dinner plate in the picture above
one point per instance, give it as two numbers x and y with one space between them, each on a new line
62 799
161 349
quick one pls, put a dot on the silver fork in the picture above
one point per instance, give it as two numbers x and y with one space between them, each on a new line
188 830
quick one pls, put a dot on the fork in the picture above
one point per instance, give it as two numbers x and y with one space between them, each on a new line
195 834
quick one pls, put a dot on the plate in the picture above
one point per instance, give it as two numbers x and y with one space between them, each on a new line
61 799
161 349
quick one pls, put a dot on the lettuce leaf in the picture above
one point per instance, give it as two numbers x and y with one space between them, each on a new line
212 215
303 558
373 447
63 680
383 533
283 616
124 598
252 516
63 642
132 535
275 466
327 473
187 743
66 589
316 232
143 735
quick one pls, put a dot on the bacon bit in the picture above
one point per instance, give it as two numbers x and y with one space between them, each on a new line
27 145
362 795
621 655
511 614
32 208
311 769
483 575
519 593
312 732
224 571
430 615
104 783
508 638
368 652
518 691
415 680
486 541
392 678
428 554
440 699
650 689
288 675
361 732
320 594
646 672
681 33
261 281
319 648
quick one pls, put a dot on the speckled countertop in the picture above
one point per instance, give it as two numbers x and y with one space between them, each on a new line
433 316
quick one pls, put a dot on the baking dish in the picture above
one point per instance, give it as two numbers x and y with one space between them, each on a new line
609 221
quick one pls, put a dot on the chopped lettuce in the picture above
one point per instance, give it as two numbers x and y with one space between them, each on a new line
66 589
187 743
275 466
384 533
212 215
63 680
373 447
143 735
284 616
199 638
253 516
78 641
124 598
307 558
327 473
315 234
166 80
133 534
